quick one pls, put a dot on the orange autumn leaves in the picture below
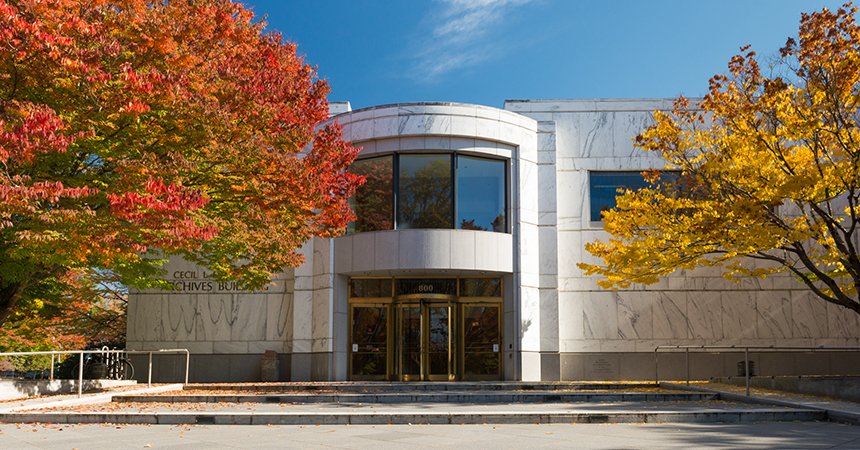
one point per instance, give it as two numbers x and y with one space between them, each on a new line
129 126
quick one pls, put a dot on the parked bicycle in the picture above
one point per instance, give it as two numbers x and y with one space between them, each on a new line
106 365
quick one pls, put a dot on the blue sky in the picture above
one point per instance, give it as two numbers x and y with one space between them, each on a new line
375 52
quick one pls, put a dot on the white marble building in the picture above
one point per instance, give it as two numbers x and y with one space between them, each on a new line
417 291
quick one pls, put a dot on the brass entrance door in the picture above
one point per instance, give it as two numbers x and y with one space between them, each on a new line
425 340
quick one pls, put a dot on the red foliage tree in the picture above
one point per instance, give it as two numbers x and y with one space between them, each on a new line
134 130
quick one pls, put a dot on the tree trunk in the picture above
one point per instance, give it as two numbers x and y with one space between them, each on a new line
9 295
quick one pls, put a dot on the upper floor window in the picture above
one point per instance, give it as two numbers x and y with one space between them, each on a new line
444 190
606 186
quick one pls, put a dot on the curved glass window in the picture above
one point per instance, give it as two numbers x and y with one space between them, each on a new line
481 194
404 191
424 199
373 202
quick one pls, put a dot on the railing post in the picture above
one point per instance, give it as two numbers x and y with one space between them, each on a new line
51 376
747 370
149 373
656 367
187 361
687 361
81 376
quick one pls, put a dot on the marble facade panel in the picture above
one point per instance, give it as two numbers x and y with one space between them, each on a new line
670 316
463 126
228 347
387 250
704 310
437 124
505 245
492 113
323 309
404 109
513 133
600 315
739 314
635 317
249 317
843 323
279 312
626 125
486 251
530 319
385 127
547 157
808 315
363 256
322 249
546 188
773 314
302 315
214 317
146 313
579 346
362 129
487 128
569 253
343 253
572 193
596 135
549 320
570 313
549 251
437 248
444 109
178 314
410 125
411 249
439 142
529 246
463 249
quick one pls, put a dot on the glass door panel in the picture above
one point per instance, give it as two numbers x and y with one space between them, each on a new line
440 357
409 334
481 343
369 342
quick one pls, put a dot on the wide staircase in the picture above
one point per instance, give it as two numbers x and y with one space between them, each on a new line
418 403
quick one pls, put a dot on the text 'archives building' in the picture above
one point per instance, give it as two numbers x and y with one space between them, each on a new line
462 265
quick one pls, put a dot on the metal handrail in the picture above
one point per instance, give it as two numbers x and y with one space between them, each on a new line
53 353
746 349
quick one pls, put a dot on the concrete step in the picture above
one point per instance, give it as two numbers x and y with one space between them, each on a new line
425 397
364 386
418 413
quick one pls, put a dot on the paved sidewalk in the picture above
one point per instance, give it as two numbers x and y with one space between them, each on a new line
777 435
837 410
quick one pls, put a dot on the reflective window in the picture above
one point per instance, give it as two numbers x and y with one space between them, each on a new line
425 192
480 287
373 202
370 287
604 188
481 194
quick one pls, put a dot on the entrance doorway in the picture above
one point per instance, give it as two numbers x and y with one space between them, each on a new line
425 336
426 348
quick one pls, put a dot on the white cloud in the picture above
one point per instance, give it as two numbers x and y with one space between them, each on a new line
464 34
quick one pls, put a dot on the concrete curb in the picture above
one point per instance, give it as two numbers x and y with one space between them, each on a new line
233 418
830 413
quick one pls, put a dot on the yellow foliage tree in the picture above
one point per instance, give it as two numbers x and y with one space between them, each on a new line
768 169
